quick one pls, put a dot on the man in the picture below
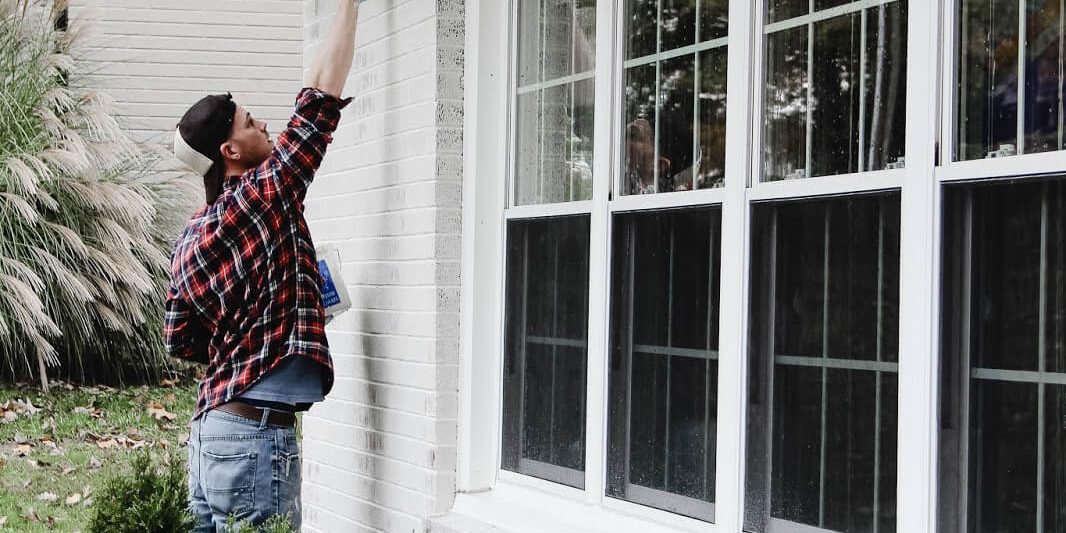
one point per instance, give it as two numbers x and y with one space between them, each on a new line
244 296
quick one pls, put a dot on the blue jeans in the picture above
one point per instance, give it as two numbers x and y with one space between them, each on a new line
244 468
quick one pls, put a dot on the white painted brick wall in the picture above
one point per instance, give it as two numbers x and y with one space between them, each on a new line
379 453
157 57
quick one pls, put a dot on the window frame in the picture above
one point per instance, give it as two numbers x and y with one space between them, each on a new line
948 170
501 497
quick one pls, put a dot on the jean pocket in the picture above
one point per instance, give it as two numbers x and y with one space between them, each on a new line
229 481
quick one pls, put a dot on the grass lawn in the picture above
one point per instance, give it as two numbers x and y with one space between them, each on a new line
56 455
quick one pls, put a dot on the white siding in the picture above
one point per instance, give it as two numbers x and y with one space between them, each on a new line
158 57
379 453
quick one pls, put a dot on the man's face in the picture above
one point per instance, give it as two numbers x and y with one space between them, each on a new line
249 143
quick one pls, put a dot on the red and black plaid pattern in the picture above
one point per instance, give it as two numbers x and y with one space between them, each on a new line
245 290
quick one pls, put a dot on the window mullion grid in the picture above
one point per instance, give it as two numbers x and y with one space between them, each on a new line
964 365
880 355
541 130
1022 47
573 99
524 351
658 91
554 349
1062 61
696 75
823 434
1042 362
707 364
808 169
669 357
862 91
631 236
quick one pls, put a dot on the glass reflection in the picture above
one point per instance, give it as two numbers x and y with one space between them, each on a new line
664 370
785 142
842 110
545 353
988 79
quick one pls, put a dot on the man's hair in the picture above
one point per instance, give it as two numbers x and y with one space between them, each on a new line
204 127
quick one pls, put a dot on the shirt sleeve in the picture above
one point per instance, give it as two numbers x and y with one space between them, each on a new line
299 149
184 335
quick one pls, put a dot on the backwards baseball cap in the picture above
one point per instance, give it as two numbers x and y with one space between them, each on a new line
202 130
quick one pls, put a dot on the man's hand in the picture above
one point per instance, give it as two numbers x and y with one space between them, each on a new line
330 69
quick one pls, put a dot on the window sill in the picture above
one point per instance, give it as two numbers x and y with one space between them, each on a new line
513 508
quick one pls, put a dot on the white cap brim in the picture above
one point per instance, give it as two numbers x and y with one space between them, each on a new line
200 163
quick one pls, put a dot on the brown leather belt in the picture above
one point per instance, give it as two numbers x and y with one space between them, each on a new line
255 414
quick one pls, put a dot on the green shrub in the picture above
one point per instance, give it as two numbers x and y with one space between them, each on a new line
146 500
86 218
274 524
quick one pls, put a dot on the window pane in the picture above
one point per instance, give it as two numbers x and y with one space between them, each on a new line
641 26
676 118
886 96
674 110
554 123
1004 322
785 145
678 23
1043 75
546 350
554 143
640 167
714 19
822 414
1006 414
835 126
710 158
835 94
988 78
556 38
664 350
778 10
1011 75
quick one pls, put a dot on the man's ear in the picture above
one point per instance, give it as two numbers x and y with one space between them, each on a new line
229 151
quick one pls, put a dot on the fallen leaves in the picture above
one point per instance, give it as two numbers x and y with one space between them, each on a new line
92 411
47 497
112 442
11 410
159 412
95 464
73 499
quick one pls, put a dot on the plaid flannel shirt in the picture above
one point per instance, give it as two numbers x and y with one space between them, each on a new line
245 289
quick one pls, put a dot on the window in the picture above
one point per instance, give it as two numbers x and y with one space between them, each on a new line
835 98
664 352
555 101
547 254
675 84
676 327
1010 78
823 358
1003 410
546 347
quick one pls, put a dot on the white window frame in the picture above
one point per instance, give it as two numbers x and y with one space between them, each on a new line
521 503
1036 164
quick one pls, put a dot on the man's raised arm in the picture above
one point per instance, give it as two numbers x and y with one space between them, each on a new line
330 69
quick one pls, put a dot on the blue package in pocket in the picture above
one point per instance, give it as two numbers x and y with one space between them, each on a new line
335 298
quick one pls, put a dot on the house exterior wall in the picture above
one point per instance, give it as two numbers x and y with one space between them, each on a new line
379 453
157 57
